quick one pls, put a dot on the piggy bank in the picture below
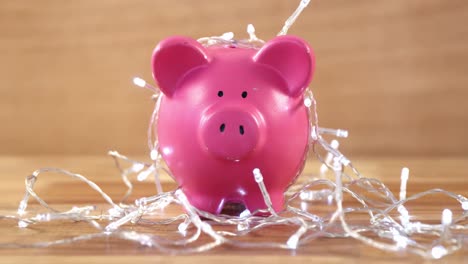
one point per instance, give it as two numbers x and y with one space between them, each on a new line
226 110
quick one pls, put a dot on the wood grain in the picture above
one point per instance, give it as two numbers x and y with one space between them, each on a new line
63 192
392 72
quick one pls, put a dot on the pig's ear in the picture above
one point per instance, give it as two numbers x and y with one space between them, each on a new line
173 58
292 58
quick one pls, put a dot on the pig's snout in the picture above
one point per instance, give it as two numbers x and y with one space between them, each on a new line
230 134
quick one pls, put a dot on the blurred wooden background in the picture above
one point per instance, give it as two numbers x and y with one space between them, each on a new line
394 73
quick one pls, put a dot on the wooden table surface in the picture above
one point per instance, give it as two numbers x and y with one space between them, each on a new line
450 173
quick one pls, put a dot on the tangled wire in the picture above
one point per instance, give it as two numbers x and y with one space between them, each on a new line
337 186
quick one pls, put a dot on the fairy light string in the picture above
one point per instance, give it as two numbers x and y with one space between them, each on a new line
338 182
121 217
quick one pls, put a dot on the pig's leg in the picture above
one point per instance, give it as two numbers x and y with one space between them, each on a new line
256 201
207 203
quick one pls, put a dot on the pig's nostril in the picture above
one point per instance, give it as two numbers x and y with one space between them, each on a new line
222 127
241 130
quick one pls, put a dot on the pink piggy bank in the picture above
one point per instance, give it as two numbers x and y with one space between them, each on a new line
227 110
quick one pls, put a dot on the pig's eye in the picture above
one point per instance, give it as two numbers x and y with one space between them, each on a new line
244 94
220 94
